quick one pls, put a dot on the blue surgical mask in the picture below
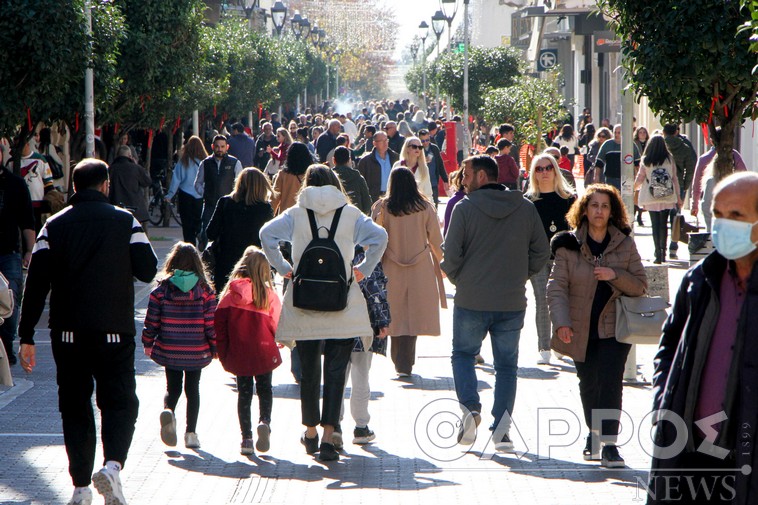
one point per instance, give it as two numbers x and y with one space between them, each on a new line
732 239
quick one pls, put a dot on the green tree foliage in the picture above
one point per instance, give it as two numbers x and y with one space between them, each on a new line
292 67
752 26
489 68
705 74
528 105
44 50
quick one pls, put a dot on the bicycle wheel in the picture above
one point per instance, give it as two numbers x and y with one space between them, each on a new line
175 214
155 212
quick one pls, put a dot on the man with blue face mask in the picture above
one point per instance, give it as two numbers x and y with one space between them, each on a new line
706 369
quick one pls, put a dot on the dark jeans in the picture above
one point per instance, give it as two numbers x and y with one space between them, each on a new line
89 360
245 390
659 223
190 210
601 377
336 357
10 266
191 391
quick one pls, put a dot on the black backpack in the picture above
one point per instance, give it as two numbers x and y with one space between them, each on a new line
320 282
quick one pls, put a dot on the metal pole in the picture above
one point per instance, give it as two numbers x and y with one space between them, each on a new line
327 81
337 80
465 64
423 71
89 92
437 85
196 122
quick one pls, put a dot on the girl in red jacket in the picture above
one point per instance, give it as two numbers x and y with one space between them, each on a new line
246 320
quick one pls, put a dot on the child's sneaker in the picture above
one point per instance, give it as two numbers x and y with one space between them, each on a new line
246 448
363 435
264 440
191 441
168 427
108 483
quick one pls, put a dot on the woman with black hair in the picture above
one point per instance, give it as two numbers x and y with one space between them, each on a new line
411 263
289 179
567 138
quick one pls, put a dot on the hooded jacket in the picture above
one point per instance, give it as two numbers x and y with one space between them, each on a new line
354 228
245 333
495 242
684 159
179 324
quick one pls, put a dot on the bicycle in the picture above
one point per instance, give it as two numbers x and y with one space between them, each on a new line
160 211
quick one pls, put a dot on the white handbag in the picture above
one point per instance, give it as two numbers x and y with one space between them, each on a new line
639 319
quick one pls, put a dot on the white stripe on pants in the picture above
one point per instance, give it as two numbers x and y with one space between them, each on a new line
360 392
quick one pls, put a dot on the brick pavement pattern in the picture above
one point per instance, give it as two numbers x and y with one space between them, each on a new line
414 457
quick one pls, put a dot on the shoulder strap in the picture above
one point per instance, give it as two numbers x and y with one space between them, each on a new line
335 222
312 221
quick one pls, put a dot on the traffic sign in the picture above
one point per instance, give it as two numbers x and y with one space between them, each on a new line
547 60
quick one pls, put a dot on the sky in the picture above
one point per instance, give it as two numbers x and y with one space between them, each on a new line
409 14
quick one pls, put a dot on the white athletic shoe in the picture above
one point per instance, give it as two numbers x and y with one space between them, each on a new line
191 441
82 496
108 483
544 358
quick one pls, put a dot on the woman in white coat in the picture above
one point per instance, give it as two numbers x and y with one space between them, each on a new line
412 157
314 331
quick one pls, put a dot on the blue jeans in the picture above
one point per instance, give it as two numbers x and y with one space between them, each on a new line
10 266
469 329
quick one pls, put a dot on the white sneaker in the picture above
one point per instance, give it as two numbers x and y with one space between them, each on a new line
168 427
191 441
544 358
82 496
467 430
559 356
108 483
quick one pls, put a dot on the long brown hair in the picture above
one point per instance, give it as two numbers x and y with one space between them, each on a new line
254 266
193 150
251 186
184 256
577 214
403 196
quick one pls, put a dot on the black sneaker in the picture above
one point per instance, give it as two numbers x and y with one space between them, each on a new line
611 458
12 360
587 452
503 443
363 435
327 452
311 444
337 438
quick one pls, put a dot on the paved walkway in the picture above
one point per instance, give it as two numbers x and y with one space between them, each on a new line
414 457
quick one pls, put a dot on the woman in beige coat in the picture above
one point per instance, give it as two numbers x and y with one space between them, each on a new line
411 263
595 263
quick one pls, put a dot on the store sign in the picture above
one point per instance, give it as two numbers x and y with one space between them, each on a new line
547 60
606 42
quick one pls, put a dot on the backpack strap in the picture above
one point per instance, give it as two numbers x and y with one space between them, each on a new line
335 222
312 221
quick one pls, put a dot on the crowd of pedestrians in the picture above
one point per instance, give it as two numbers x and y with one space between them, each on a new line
344 211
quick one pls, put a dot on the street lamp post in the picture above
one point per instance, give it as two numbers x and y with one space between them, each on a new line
423 32
278 16
296 23
449 9
337 53
438 25
465 64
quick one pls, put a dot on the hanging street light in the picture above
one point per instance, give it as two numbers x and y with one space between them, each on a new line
278 16
449 9
305 28
296 24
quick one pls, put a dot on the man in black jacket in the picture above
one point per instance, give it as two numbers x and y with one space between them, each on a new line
214 179
706 369
87 256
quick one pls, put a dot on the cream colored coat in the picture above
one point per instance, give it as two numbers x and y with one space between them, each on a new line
411 264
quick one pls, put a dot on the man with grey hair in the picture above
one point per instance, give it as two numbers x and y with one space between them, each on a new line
328 140
375 166
706 368
396 140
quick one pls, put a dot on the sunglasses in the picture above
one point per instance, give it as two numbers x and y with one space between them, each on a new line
415 146
548 168
426 141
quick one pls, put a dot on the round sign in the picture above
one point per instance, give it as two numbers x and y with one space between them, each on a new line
628 159
547 60
90 138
